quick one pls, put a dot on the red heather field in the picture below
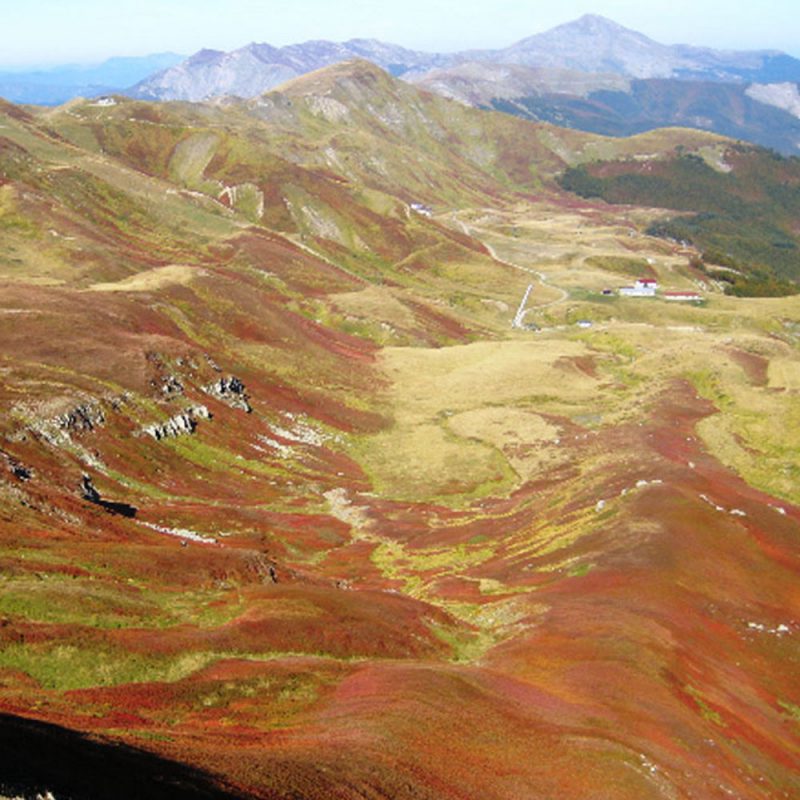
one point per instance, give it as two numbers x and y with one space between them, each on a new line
294 514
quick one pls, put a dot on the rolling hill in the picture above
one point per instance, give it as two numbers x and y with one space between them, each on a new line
288 508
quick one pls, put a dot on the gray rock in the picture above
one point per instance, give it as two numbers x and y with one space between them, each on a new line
230 391
85 417
180 425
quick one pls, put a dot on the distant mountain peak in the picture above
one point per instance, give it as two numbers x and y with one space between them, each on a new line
598 29
204 56
594 22
590 44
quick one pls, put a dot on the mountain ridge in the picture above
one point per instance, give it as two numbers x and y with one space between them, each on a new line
764 114
591 43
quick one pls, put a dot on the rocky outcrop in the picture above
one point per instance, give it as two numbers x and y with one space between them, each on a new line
58 430
90 493
230 391
170 386
179 425
16 468
85 417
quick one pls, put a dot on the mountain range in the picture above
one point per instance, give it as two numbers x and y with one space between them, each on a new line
591 74
590 44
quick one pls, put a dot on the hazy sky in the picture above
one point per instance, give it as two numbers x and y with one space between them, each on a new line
60 31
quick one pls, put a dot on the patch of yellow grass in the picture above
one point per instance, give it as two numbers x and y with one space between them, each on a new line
151 279
784 373
453 379
526 439
414 462
377 303
457 411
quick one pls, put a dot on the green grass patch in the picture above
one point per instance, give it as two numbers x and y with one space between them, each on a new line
706 712
580 571
77 601
64 667
622 265
791 710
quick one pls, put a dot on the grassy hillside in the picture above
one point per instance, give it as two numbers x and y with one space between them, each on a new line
286 499
721 108
740 207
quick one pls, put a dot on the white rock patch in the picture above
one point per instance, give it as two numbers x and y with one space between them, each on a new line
781 95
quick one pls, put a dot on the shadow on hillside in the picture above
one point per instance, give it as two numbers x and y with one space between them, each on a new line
37 757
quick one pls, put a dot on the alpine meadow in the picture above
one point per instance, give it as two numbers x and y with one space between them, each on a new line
387 425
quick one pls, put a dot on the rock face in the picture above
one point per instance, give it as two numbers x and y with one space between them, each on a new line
256 68
230 391
85 417
90 494
179 425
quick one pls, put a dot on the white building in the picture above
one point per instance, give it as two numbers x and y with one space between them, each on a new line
685 297
421 208
644 287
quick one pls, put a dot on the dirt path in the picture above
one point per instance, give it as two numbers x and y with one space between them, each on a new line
540 276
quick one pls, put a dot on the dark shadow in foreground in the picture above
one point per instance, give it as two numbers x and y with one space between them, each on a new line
37 757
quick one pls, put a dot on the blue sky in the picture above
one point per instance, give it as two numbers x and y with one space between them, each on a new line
84 31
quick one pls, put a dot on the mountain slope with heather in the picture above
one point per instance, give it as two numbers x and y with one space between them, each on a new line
290 509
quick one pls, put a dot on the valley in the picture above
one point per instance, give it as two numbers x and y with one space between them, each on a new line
288 508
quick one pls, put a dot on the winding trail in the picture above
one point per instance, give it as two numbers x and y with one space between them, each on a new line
541 277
